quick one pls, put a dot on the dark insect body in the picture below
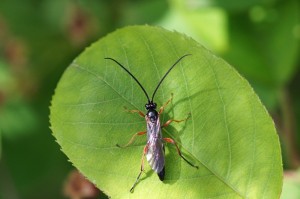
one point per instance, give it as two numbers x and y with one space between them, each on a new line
154 149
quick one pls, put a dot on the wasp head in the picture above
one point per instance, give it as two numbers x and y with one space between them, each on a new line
150 106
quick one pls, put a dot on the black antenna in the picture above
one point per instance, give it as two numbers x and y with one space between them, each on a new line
162 79
137 81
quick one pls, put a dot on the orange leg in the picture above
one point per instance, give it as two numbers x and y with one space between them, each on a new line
142 169
172 120
163 107
135 111
169 140
132 139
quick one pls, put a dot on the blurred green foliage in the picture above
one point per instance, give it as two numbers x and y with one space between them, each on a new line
39 38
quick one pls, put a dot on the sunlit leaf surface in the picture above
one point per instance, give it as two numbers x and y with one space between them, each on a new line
229 135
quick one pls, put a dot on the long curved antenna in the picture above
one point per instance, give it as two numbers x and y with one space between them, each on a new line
162 79
137 81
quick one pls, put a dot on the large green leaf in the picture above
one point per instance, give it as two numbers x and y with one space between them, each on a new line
229 135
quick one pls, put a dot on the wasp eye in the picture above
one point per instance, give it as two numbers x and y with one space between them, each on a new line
147 106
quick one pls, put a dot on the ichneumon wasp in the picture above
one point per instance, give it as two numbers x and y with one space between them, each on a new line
154 149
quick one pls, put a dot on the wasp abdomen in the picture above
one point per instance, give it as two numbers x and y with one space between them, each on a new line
161 174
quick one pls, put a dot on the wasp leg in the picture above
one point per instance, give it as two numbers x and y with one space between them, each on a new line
163 107
142 169
169 140
172 120
135 111
132 139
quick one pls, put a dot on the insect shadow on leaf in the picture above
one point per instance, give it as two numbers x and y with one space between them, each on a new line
154 150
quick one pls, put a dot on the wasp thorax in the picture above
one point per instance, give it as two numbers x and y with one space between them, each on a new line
152 115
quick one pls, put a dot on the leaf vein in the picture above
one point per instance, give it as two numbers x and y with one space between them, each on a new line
100 78
225 119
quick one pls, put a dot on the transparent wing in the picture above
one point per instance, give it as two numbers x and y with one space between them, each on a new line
155 154
153 129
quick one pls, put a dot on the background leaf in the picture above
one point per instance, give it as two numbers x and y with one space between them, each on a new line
230 135
267 38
